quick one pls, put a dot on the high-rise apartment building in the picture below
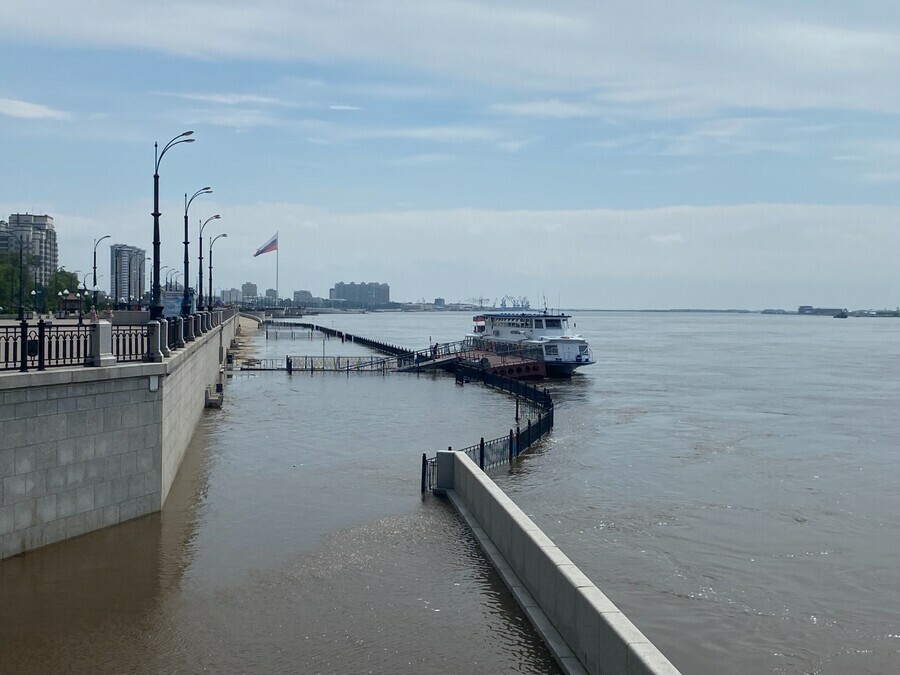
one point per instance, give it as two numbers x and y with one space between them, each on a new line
366 294
38 237
232 296
126 273
249 290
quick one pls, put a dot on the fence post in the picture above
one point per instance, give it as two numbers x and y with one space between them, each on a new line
481 454
510 446
424 471
517 408
42 348
23 346
530 438
290 364
518 441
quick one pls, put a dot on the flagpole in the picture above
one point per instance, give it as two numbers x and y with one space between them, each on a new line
277 296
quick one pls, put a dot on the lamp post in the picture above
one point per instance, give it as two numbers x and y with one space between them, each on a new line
84 290
169 275
97 241
212 241
185 298
156 309
200 270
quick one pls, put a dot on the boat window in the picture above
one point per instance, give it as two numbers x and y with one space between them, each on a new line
554 323
538 323
551 350
582 349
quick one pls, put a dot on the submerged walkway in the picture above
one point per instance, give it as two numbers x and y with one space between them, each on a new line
445 356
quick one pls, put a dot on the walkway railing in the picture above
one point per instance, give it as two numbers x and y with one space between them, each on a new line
28 346
505 449
42 345
129 341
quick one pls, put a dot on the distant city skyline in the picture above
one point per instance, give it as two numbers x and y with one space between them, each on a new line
714 156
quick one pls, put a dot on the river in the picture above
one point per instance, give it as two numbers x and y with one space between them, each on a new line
727 479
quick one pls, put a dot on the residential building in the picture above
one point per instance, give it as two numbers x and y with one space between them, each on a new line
126 273
232 296
38 237
365 294
249 290
302 297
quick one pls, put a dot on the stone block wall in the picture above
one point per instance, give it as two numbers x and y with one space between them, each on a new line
85 448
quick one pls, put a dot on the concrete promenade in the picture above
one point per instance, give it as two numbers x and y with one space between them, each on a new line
83 448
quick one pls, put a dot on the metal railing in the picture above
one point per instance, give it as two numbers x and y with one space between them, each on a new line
42 345
505 449
129 341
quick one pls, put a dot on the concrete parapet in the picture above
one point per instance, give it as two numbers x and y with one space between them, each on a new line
154 338
101 345
164 337
560 600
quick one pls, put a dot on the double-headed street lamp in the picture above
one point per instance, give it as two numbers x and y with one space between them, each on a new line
156 309
97 241
186 298
200 271
212 241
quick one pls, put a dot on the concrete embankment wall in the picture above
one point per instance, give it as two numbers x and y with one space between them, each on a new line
598 638
85 448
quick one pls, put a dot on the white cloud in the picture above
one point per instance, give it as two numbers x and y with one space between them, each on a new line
30 111
674 238
694 57
549 108
425 158
230 99
344 107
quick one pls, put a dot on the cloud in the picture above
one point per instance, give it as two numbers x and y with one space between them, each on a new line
696 58
30 111
425 158
231 99
344 107
674 238
752 255
549 108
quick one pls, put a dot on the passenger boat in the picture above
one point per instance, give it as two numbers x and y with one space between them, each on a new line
539 335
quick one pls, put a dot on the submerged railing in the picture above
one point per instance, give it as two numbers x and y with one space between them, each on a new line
538 410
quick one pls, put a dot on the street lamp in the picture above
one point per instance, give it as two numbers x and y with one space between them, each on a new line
200 271
156 309
185 299
97 241
213 241
169 276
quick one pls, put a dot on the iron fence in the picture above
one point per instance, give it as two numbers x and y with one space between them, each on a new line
129 341
39 346
498 451
11 345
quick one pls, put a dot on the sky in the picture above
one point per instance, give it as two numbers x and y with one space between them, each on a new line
596 154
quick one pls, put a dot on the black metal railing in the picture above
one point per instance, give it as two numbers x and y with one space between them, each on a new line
488 454
11 344
42 345
65 345
129 341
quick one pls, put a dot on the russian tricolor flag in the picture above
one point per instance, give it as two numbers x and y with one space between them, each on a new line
268 247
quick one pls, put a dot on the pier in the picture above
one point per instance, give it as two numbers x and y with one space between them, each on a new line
518 364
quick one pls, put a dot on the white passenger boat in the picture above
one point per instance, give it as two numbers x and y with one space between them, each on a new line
541 335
